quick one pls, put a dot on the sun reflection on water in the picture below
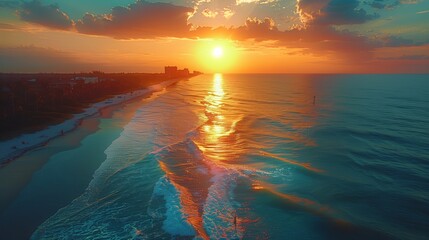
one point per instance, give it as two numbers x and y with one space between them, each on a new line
218 85
215 126
219 152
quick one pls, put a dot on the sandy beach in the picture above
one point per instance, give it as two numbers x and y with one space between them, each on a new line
59 171
65 163
15 147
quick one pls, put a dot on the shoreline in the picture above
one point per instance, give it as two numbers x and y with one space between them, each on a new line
73 154
17 146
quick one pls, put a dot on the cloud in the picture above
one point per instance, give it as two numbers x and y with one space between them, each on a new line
384 4
407 57
7 26
228 13
148 20
225 13
410 1
332 12
319 35
232 12
139 20
393 41
209 13
423 12
238 2
260 30
36 59
257 25
313 39
47 15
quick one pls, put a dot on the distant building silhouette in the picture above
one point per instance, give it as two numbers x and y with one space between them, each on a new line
170 71
174 72
183 73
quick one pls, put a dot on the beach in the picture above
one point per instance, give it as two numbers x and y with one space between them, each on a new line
41 172
15 147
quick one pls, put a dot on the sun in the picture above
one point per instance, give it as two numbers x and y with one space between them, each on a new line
216 55
217 52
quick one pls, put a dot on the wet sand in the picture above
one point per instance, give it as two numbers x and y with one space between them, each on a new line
16 147
35 185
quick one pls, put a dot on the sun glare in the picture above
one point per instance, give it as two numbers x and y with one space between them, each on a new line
217 52
216 56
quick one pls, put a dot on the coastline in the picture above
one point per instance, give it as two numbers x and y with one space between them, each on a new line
49 172
15 147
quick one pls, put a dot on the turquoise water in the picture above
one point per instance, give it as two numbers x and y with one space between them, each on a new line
256 157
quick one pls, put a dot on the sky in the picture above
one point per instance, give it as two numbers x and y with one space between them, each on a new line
227 36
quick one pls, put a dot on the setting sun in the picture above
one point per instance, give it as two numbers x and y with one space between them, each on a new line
217 55
217 52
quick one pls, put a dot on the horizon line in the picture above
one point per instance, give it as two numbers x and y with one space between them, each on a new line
233 73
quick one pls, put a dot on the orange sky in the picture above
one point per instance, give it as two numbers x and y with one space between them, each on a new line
39 36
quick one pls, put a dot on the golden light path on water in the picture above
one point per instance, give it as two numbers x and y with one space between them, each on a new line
217 150
206 156
218 139
214 101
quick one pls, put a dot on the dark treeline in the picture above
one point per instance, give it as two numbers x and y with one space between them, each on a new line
30 102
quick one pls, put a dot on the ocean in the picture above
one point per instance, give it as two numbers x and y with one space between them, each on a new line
257 156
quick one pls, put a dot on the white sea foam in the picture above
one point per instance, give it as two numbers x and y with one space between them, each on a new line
220 206
12 148
175 222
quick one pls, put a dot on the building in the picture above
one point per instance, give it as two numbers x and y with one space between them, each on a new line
170 71
183 73
174 72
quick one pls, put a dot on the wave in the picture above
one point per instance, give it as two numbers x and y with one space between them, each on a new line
205 162
175 222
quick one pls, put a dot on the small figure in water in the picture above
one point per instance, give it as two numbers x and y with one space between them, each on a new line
62 132
314 100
